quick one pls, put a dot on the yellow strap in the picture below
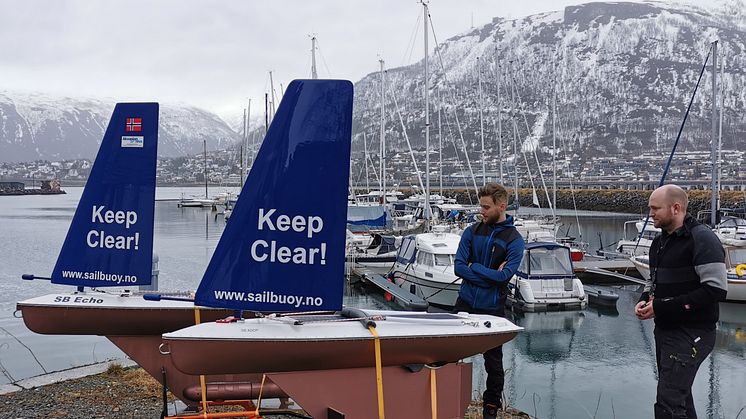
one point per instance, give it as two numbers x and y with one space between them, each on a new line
202 385
259 400
433 394
379 373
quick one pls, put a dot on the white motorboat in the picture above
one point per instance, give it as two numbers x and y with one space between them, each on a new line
731 231
735 257
735 265
637 241
378 255
545 280
424 267
642 264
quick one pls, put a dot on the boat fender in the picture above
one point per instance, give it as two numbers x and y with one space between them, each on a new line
356 313
741 269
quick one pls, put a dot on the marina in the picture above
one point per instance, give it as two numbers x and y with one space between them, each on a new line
365 259
560 364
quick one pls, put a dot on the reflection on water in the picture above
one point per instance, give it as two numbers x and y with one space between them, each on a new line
593 363
601 363
549 336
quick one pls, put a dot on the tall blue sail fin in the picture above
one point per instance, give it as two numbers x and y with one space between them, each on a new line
110 240
283 249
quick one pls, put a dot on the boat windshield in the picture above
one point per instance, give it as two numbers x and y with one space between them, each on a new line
732 222
737 256
443 260
542 261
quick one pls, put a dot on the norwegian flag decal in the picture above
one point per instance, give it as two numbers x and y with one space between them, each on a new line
133 125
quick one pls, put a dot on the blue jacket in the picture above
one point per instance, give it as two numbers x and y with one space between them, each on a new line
483 248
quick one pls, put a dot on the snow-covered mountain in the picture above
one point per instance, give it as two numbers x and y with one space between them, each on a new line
36 126
623 75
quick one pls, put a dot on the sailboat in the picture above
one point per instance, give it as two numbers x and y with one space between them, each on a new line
284 252
109 244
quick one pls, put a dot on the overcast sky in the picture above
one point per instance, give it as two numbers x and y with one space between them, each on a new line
216 54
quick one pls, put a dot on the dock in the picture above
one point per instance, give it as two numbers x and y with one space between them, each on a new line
401 297
606 271
611 274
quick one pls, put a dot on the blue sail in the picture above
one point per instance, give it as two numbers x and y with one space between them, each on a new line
284 248
110 240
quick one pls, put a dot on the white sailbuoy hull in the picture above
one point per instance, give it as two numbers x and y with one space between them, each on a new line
312 342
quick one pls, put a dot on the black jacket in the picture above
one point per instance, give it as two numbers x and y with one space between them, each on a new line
687 277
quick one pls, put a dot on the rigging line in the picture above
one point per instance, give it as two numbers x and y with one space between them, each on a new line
528 134
368 159
572 188
466 151
410 45
455 114
572 193
323 60
309 66
409 145
533 186
676 143
455 148
373 167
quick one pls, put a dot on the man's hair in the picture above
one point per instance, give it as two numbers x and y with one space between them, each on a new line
496 191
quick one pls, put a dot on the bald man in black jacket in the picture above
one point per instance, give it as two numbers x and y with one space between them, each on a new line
687 282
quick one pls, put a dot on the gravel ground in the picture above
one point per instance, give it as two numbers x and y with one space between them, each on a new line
116 393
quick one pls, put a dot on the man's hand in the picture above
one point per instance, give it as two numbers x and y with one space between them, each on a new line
502 265
644 310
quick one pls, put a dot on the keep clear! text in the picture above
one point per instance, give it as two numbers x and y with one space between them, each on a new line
101 239
271 251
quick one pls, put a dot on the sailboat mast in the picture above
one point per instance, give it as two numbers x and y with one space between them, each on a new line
714 197
313 58
241 158
240 173
720 127
266 113
246 141
499 123
515 135
272 92
440 146
365 159
481 121
383 135
427 119
204 150
554 147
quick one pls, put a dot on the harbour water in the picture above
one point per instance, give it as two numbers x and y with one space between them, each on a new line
589 363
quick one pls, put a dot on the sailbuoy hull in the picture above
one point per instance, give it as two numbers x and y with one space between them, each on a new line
105 314
329 342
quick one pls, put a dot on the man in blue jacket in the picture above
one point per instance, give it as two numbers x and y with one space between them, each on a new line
488 255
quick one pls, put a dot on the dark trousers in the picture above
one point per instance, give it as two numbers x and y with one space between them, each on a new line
493 359
679 353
